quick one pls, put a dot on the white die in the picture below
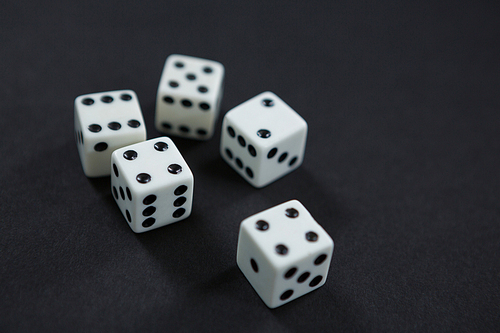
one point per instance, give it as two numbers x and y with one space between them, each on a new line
284 253
189 97
104 122
152 184
263 139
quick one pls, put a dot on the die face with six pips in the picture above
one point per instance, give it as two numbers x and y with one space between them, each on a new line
104 122
152 184
284 253
263 139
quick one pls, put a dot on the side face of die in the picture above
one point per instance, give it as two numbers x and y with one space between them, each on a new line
189 97
284 253
104 122
263 139
152 184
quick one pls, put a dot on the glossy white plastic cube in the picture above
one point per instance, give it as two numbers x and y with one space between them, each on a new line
104 122
284 253
189 97
152 184
263 139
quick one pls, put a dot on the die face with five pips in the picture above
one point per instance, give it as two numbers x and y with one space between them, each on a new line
284 253
152 184
104 122
263 139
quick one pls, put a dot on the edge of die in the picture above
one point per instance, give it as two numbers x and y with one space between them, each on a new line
219 64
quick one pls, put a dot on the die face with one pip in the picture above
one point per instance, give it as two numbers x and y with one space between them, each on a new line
263 139
189 97
152 184
104 122
284 253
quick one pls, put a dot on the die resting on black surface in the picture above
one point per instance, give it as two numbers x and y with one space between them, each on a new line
152 184
284 253
263 139
104 122
189 97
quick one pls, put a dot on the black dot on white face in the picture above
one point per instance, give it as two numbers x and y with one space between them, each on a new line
201 132
314 282
115 170
286 295
95 128
281 249
231 132
291 272
202 89
263 133
180 190
311 236
254 265
148 222
173 84
130 155
101 146
168 100
292 161
241 141
148 211
129 218
179 64
125 97
187 103
179 201
291 212
191 77
174 169
239 163
133 123
303 277
129 194
115 126
252 151
261 225
282 157
166 126
229 154
87 101
149 199
122 194
249 172
161 146
272 152
106 99
184 129
207 69
115 193
143 178
179 212
320 259
204 106
267 102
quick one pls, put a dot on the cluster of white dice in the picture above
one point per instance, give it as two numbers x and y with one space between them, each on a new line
282 251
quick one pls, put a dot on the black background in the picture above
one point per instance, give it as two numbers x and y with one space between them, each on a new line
401 167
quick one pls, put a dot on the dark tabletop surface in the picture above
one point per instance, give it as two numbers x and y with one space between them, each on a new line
401 165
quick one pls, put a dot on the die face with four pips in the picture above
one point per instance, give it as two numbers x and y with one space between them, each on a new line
284 253
104 122
152 184
189 97
263 139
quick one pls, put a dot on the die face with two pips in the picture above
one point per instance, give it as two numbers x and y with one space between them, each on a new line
189 97
152 184
263 139
104 122
284 253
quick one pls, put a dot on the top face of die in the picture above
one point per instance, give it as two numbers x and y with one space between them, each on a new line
266 119
156 162
193 77
109 111
287 233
